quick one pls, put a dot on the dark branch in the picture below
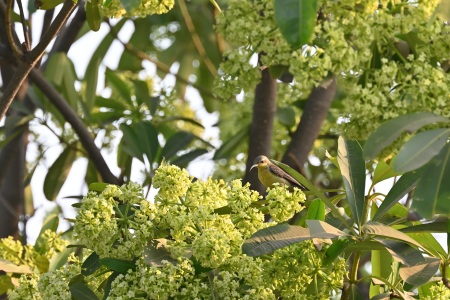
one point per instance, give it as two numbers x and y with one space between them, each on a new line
71 117
31 58
314 113
260 139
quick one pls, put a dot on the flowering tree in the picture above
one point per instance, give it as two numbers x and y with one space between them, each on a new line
345 66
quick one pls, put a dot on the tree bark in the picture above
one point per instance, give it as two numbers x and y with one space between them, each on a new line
314 113
261 129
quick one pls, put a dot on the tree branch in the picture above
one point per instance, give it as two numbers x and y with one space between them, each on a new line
30 59
314 113
70 116
260 139
195 38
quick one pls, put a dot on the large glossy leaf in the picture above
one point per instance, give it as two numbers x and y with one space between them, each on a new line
5 284
183 160
316 210
177 142
383 171
401 188
269 239
91 264
432 195
389 131
58 172
81 291
118 265
402 252
420 149
378 229
323 230
93 15
353 172
91 81
296 20
226 149
118 85
381 266
421 273
9 267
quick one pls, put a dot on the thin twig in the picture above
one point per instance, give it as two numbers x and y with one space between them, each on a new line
24 26
160 65
31 58
9 32
195 38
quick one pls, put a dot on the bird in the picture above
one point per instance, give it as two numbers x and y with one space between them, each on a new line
269 173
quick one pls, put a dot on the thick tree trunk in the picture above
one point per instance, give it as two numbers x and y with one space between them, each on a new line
314 113
260 139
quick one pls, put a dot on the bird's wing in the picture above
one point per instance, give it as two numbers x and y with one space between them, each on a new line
280 173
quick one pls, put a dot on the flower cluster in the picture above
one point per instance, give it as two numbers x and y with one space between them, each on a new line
49 285
291 271
283 203
116 9
199 227
115 223
389 57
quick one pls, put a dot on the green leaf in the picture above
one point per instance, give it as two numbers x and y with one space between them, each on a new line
421 273
382 172
433 227
226 149
336 248
296 20
93 15
109 284
323 230
432 194
81 291
316 210
98 186
60 259
183 160
5 284
402 252
91 264
58 172
47 4
269 239
378 229
178 141
118 85
381 261
420 149
286 116
353 172
118 265
401 188
389 131
9 267
91 81
50 223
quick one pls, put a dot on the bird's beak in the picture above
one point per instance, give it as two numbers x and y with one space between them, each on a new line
253 167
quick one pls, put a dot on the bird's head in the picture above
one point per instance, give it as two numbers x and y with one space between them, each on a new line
260 162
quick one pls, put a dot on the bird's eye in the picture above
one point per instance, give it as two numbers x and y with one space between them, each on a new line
261 162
